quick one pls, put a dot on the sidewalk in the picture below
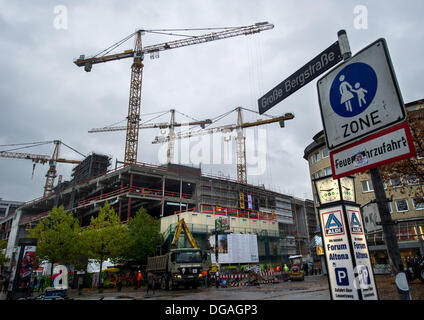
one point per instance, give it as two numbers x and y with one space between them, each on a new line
111 294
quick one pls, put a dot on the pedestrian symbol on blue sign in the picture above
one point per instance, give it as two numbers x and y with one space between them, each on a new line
353 89
333 225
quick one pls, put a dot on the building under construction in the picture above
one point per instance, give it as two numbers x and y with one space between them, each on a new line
165 191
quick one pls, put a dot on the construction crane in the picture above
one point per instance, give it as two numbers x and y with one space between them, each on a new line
162 125
181 225
133 119
37 158
240 139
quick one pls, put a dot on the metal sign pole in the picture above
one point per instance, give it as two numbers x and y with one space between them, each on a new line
388 230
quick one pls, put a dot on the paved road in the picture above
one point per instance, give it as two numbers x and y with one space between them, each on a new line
313 288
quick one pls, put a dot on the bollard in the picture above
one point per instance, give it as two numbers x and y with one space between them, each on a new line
402 286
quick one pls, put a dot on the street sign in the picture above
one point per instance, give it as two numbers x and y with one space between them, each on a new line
222 224
318 65
338 254
390 145
360 97
365 277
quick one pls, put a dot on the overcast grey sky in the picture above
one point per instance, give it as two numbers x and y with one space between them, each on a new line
44 96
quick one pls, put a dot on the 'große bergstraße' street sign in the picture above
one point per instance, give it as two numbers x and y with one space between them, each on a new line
318 65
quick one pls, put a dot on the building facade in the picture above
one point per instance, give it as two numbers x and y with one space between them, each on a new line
6 208
167 190
407 212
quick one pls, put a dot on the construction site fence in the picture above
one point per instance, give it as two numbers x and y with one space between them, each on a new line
246 279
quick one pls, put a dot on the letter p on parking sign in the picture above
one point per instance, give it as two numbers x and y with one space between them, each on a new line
341 276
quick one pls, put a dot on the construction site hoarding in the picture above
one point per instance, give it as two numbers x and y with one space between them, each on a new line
235 248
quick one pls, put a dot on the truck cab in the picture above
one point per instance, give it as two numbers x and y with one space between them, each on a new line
185 267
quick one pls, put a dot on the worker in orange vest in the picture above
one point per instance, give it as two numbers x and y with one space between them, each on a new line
205 278
139 278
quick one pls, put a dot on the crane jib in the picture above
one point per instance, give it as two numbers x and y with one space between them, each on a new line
82 61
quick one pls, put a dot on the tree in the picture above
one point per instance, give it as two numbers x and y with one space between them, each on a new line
3 258
407 176
58 237
105 238
144 236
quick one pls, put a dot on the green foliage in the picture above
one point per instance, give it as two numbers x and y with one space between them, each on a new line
106 237
3 244
58 237
144 235
3 259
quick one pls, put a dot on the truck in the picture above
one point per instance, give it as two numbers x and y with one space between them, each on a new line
180 266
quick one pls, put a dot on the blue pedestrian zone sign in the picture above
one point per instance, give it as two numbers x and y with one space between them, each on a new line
353 89
360 97
333 224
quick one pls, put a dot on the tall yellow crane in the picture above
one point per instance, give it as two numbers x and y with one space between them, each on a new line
133 120
39 158
161 125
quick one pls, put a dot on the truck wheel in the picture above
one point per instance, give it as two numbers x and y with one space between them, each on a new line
164 283
172 284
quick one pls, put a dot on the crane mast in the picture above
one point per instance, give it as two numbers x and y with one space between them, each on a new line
132 135
241 150
133 122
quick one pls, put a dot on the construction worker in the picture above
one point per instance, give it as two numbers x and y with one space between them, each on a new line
286 272
278 269
139 278
205 278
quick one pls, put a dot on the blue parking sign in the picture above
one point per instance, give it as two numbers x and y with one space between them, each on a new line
342 278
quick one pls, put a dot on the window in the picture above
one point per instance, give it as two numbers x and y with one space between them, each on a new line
367 186
389 204
317 158
396 183
418 203
314 158
401 205
324 153
412 179
327 171
319 174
